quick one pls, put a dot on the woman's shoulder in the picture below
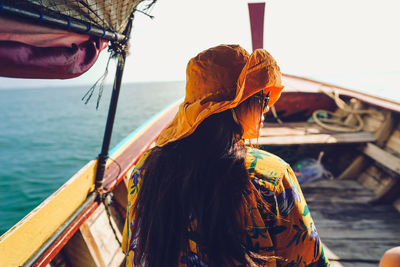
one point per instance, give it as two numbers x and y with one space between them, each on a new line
137 168
142 159
265 166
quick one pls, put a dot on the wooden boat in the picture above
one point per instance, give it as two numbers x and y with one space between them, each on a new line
356 212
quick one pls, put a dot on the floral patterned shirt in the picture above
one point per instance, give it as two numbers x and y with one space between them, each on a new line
285 231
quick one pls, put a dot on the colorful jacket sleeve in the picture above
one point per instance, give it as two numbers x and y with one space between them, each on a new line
299 242
294 238
128 244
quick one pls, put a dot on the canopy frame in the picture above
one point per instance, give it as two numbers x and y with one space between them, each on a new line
37 15
119 44
103 156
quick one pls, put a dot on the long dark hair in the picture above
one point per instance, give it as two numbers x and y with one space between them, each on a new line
197 182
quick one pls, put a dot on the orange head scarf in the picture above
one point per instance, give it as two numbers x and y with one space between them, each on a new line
218 79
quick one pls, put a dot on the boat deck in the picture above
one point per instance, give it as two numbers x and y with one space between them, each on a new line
354 232
295 133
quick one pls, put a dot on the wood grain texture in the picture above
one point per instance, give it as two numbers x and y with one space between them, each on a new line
62 240
291 128
100 239
388 193
355 167
323 138
77 252
370 182
356 232
396 204
386 129
393 142
383 157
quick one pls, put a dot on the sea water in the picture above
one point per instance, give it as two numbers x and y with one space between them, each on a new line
48 134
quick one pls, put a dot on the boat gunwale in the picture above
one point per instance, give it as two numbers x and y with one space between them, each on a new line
117 152
134 136
50 249
365 97
124 148
78 186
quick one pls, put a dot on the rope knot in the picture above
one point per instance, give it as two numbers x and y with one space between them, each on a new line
119 48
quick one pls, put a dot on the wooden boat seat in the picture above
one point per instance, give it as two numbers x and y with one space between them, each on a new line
296 133
391 164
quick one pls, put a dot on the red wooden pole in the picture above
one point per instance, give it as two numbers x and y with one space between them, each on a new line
256 11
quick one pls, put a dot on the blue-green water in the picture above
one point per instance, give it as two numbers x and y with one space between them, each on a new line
48 134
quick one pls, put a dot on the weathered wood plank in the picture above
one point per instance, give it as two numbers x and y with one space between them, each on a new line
78 253
338 197
386 129
91 244
384 218
361 137
354 231
336 191
378 174
388 193
352 264
335 264
335 184
396 204
369 181
346 259
291 128
101 240
307 133
382 157
393 142
357 166
356 248
381 135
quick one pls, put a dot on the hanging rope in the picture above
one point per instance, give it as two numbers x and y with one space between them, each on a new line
102 80
107 200
144 13
275 114
115 48
337 122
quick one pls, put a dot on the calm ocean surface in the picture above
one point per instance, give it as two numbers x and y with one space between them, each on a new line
48 134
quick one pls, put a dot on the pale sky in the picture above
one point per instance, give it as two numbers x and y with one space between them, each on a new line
351 43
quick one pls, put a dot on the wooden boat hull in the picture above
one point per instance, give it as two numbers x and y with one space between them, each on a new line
72 225
25 238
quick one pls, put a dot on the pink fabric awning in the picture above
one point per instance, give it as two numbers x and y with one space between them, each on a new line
36 51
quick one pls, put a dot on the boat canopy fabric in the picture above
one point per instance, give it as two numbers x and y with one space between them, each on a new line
32 49
35 51
107 14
